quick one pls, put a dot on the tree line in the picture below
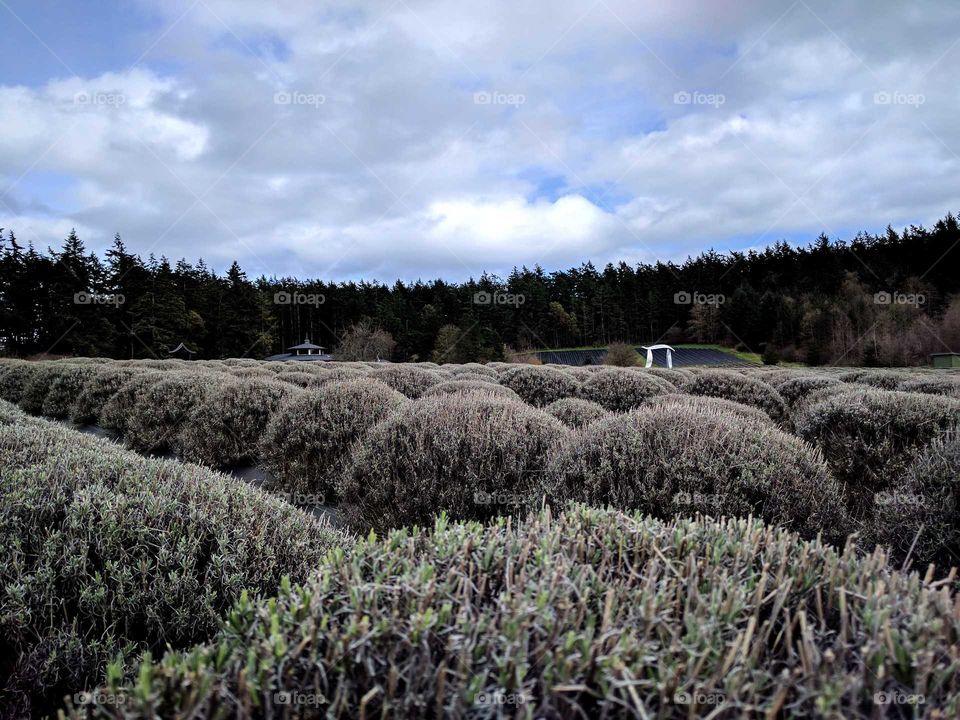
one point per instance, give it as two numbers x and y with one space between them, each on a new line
884 299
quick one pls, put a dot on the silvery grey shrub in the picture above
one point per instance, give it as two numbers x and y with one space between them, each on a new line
301 379
226 427
411 381
677 460
472 369
97 390
869 437
472 456
63 391
161 409
919 518
710 404
464 383
797 388
539 386
949 386
14 378
576 412
549 616
108 554
119 410
740 388
37 386
305 443
620 389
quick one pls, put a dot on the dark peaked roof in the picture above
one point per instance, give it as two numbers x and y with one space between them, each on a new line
305 345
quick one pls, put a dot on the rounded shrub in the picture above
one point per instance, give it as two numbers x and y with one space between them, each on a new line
341 374
798 388
301 379
933 386
471 456
307 439
38 385
483 387
739 388
539 386
108 554
580 373
672 375
64 390
619 390
882 379
704 403
97 390
673 460
251 372
474 377
919 518
576 412
226 427
161 408
546 618
870 437
409 380
473 369
776 376
14 378
119 410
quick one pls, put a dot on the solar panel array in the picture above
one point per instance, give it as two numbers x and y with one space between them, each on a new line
682 357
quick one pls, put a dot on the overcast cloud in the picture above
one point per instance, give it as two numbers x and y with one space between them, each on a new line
412 138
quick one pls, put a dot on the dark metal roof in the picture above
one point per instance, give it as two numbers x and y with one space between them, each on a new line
299 358
305 346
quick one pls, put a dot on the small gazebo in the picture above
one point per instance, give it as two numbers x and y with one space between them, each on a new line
182 351
306 348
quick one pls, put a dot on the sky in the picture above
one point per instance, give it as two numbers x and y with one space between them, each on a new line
415 139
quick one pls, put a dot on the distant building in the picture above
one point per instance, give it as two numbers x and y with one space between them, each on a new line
946 360
182 351
304 351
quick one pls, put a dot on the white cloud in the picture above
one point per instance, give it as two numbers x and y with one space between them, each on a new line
398 173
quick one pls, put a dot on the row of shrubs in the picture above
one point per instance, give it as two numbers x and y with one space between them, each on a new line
582 614
816 453
52 388
108 554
